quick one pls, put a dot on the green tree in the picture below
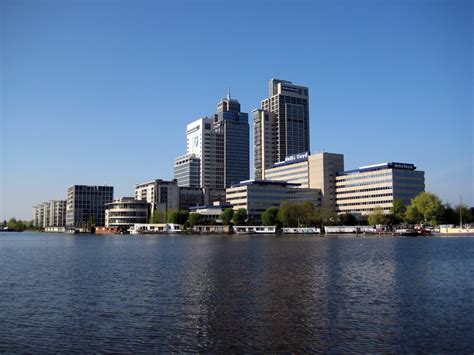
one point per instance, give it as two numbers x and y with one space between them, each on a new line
296 214
17 225
347 219
270 216
158 216
226 216
178 217
412 215
398 210
429 207
324 216
449 215
240 216
377 216
194 219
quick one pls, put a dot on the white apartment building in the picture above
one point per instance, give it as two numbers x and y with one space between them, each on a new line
50 214
361 190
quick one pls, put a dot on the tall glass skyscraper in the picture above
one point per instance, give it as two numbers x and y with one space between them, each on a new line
221 143
285 131
231 128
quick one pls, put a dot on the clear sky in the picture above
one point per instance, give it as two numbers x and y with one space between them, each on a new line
97 92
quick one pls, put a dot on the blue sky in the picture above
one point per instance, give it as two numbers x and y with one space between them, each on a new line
97 92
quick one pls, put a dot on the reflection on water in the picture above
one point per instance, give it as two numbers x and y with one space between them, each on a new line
242 293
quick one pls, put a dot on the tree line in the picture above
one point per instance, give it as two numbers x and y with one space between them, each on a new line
19 225
425 208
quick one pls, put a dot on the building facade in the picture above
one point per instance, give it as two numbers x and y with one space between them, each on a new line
187 170
125 212
265 142
160 194
86 205
360 191
287 127
50 214
200 143
316 171
231 130
220 145
257 195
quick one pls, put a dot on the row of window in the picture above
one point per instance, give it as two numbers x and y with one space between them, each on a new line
364 196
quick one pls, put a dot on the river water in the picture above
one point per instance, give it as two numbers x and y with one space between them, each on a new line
66 293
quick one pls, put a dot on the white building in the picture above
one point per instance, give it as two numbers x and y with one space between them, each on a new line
361 190
125 212
160 194
199 139
50 214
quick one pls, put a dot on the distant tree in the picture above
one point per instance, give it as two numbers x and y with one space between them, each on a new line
324 216
465 212
347 219
429 207
270 216
194 219
413 215
377 216
92 221
240 216
17 225
226 216
398 211
449 215
158 216
178 217
296 214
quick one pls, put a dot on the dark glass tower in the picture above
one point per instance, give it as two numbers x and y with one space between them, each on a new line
231 128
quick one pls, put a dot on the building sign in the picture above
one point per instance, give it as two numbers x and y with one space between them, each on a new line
297 156
289 88
402 166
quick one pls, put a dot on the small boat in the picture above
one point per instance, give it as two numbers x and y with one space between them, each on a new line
301 230
406 232
255 229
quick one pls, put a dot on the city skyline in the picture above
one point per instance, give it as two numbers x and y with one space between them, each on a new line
382 89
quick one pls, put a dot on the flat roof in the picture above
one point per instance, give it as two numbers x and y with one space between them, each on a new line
380 166
265 182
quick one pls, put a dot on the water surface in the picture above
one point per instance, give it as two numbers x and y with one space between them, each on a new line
66 293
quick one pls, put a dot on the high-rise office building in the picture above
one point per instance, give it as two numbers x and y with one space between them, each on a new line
199 143
231 130
221 143
86 205
285 132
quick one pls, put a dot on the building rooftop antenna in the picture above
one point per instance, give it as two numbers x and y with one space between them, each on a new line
228 94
